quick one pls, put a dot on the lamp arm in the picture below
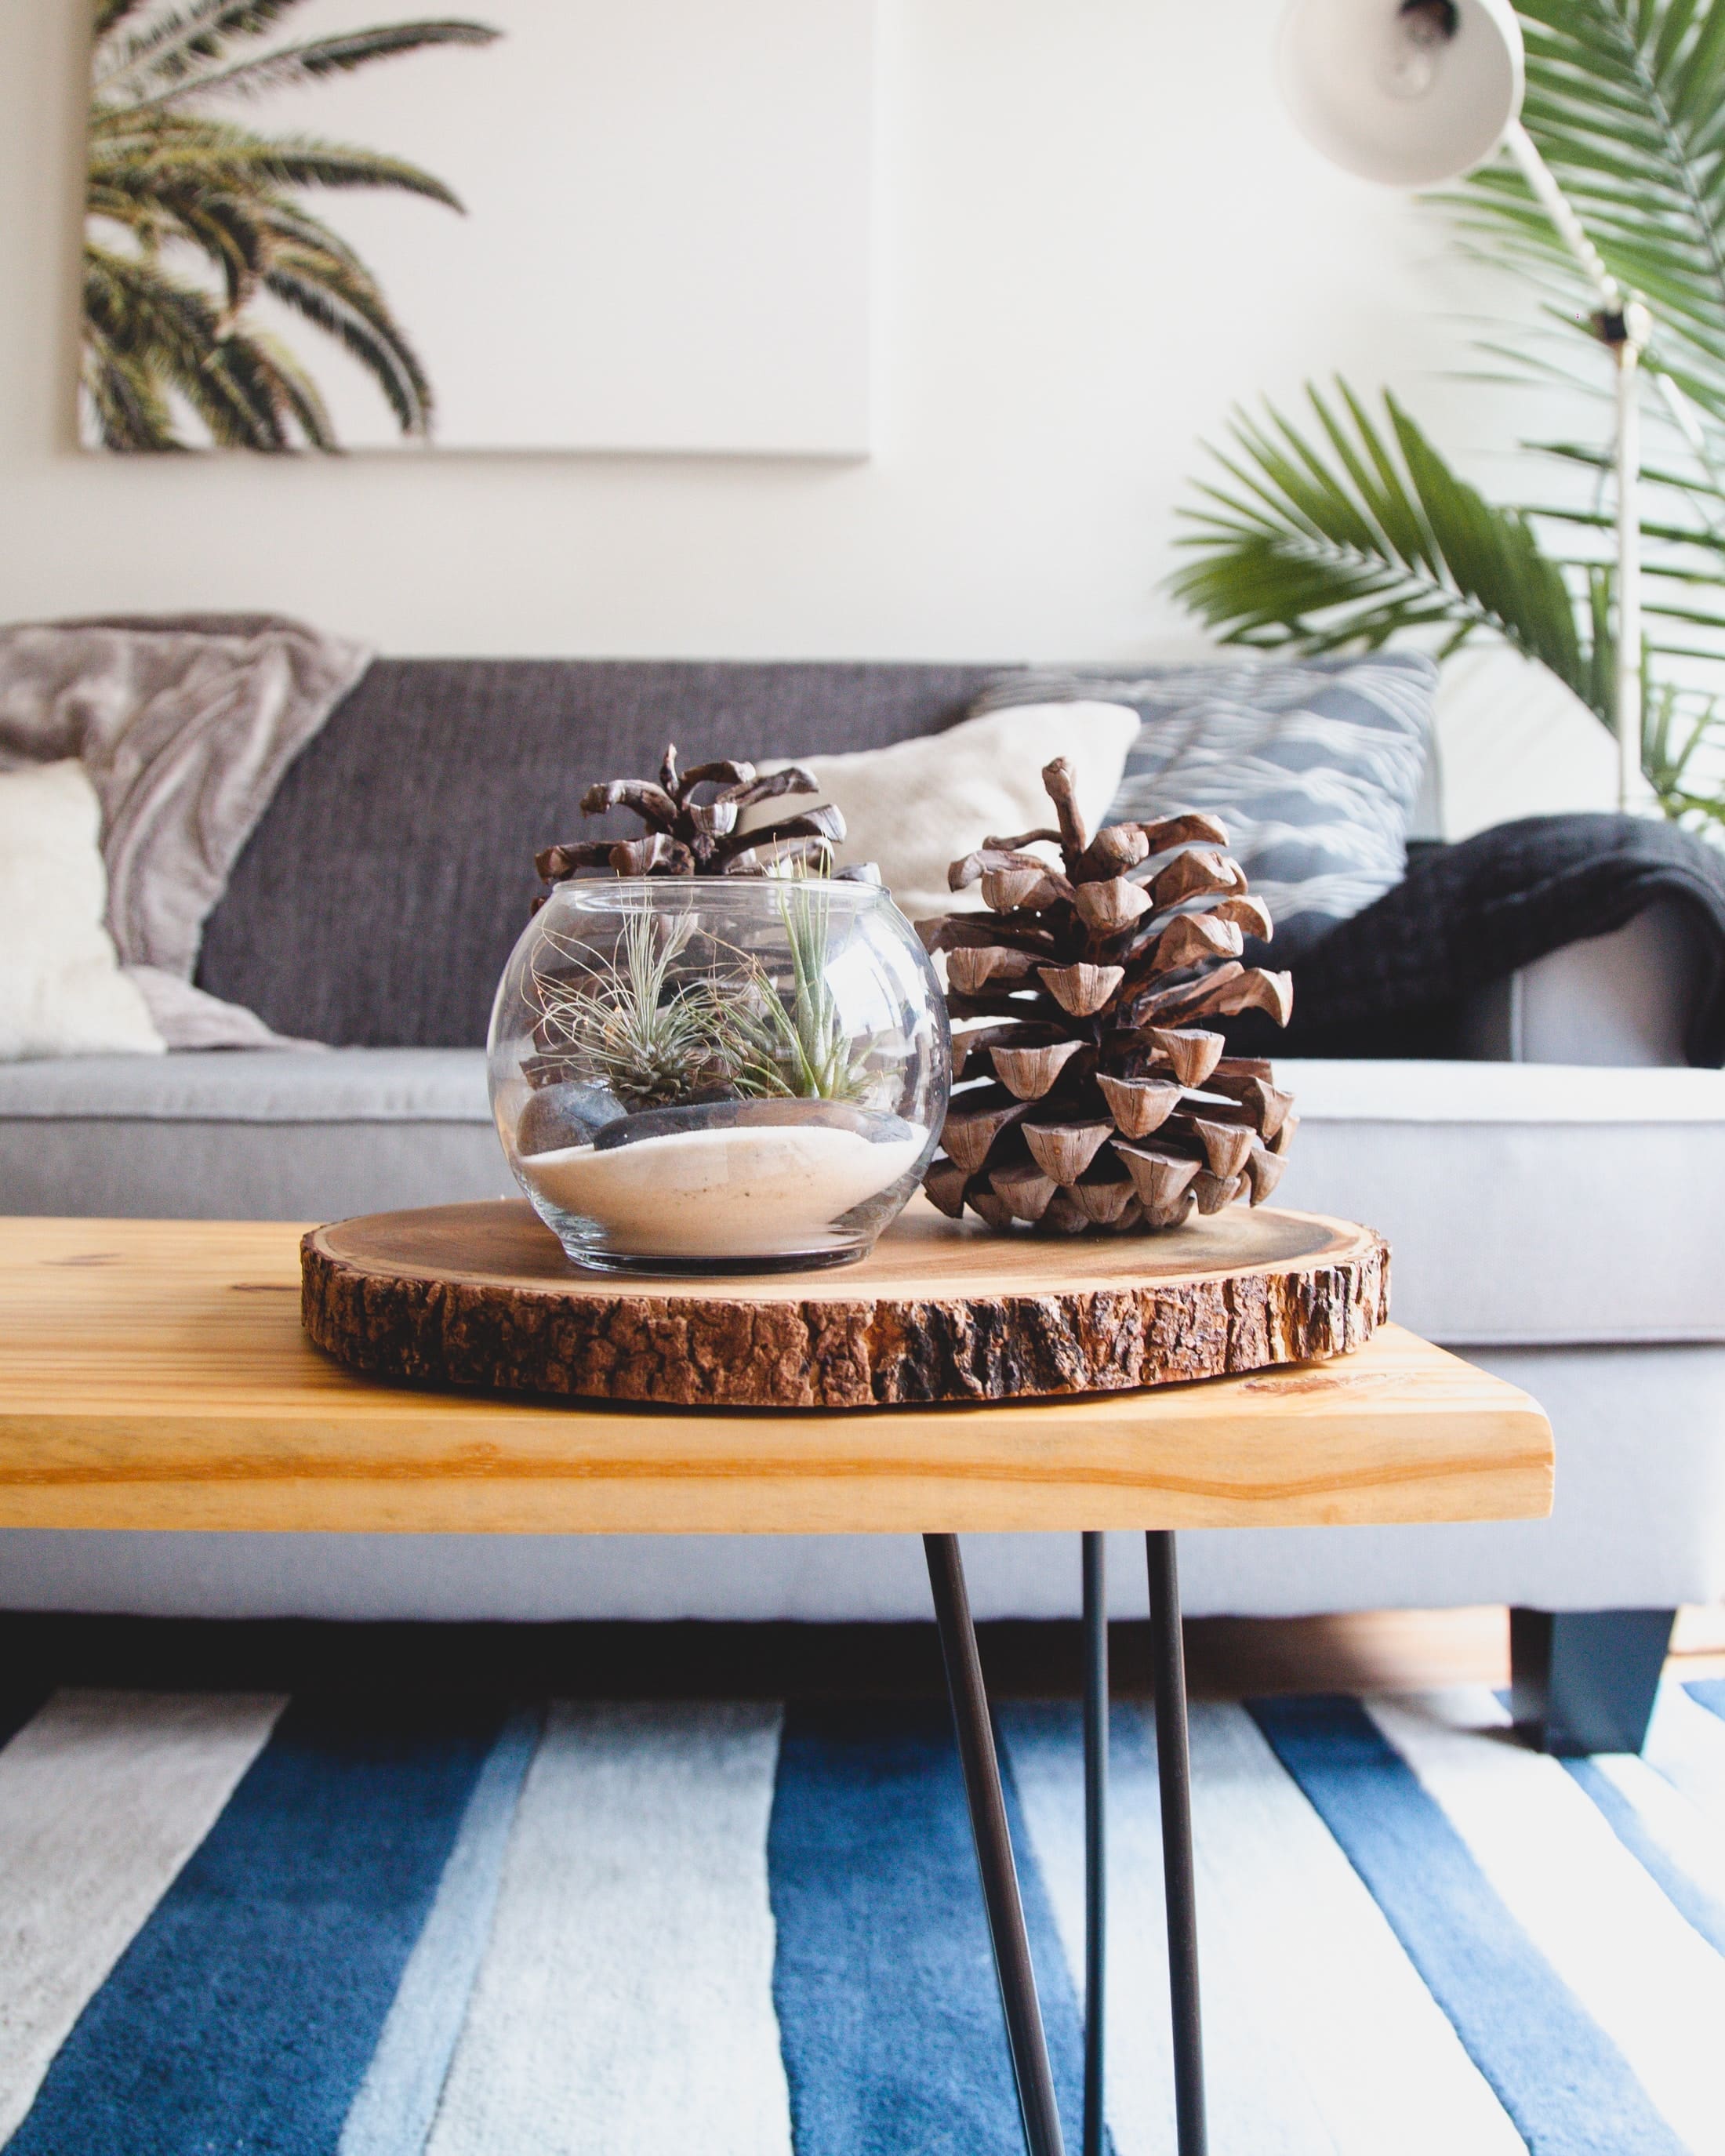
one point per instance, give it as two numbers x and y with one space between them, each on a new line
1622 324
1555 203
1631 784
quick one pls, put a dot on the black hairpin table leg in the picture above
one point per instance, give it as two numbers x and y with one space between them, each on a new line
1095 1838
993 1848
1174 1770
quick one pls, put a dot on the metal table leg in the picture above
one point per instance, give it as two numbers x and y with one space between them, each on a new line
1096 1838
993 1849
1175 1770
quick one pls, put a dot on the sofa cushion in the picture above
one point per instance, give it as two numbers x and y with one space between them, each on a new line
914 808
388 880
1314 765
1526 1204
62 991
271 1136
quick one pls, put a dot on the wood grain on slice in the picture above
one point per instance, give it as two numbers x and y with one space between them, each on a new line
153 1374
482 1295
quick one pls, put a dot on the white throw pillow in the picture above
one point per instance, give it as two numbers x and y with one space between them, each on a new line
915 807
61 989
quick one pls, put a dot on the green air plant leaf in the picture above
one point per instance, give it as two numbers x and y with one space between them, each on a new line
631 1022
796 1045
1355 534
660 1024
193 217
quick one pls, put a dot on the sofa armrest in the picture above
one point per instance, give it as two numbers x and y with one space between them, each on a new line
1625 998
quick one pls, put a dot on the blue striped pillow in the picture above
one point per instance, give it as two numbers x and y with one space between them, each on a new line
1314 765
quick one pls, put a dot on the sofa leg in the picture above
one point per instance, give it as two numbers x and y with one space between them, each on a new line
1584 1679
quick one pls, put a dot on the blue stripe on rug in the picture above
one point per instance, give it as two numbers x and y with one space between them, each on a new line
398 2100
1691 1900
884 1982
1708 1693
245 2012
1562 2082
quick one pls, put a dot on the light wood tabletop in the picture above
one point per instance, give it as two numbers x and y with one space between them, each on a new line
154 1374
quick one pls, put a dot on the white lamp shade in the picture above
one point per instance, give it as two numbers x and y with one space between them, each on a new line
1361 89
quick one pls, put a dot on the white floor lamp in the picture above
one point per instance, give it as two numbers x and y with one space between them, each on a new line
1414 93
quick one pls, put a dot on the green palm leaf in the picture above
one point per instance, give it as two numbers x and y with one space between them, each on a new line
110 14
1361 533
178 42
1626 103
131 413
326 290
165 148
238 385
1369 533
293 66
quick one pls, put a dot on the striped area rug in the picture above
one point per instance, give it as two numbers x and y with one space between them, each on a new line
244 1924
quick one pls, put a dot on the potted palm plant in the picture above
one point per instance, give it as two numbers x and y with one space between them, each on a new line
1346 527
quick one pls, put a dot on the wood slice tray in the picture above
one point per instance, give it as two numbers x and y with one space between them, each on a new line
483 1295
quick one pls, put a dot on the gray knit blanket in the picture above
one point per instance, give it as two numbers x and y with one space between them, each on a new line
185 725
1391 981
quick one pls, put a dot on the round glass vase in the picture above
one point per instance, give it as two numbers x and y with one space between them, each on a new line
739 1073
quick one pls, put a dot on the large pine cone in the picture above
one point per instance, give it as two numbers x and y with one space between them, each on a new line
1107 1104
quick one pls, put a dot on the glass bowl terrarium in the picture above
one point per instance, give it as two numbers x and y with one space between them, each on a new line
718 1073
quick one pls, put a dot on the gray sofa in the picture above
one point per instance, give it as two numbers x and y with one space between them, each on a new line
1557 1221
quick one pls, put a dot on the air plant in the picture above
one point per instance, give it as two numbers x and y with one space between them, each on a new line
798 1048
627 1023
657 1032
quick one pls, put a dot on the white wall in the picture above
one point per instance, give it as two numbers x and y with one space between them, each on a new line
1095 231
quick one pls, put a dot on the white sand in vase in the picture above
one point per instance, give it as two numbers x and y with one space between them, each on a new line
739 1191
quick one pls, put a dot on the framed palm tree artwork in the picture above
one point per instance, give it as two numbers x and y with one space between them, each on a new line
316 226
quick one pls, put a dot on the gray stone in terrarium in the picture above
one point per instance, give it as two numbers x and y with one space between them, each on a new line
571 1114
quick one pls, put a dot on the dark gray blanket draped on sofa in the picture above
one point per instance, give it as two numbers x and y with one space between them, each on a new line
1390 982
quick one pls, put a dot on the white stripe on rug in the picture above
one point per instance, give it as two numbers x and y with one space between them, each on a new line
1329 1972
398 2100
1257 2099
1686 1742
625 2001
1688 1836
1602 1922
103 1797
1295 1958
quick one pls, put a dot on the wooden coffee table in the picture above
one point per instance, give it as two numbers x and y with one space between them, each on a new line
154 1375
